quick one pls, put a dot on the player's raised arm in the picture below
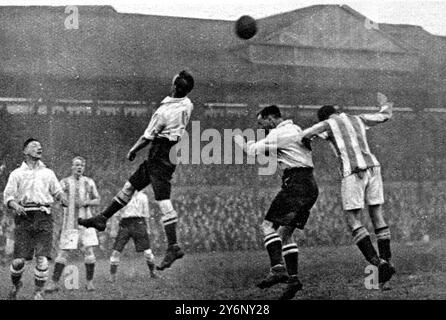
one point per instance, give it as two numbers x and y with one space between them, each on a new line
263 146
384 114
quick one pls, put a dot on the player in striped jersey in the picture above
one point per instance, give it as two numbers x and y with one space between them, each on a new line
82 197
361 177
165 129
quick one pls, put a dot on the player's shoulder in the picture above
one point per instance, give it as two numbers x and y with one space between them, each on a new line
89 180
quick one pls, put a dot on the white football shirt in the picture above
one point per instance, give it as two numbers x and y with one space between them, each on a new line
170 119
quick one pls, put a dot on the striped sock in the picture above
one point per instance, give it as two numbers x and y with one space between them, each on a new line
362 239
291 257
117 204
170 227
273 245
57 273
40 277
383 236
16 273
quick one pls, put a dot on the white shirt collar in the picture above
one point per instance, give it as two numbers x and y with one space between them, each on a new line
40 165
169 99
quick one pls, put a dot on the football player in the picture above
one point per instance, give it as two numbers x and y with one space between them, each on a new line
165 129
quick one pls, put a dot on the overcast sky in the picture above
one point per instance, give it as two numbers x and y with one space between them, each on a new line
431 15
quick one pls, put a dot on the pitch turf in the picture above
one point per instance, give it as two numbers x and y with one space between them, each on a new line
326 272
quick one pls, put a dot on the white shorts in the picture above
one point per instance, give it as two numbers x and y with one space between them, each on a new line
356 191
72 239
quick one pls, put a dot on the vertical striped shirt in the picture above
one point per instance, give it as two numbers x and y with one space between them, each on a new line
347 133
82 189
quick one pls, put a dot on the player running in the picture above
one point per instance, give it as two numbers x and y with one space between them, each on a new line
133 224
165 129
361 177
82 197
30 192
291 207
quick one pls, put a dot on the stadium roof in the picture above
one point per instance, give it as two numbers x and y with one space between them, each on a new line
109 44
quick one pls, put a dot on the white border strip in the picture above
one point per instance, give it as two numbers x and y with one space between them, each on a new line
224 104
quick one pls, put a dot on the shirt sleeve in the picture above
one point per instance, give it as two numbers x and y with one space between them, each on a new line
11 189
94 190
318 130
55 186
263 146
155 126
372 119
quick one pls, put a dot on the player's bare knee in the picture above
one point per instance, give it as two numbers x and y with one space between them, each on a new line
90 258
18 265
267 228
42 263
148 255
62 257
376 216
126 193
352 218
169 215
115 257
286 234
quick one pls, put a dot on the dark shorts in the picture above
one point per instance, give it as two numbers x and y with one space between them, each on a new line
33 235
156 170
132 228
292 205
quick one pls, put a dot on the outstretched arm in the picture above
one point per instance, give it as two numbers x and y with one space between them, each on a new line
384 114
263 146
155 126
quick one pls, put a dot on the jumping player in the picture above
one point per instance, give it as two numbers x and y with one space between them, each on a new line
165 129
30 191
361 182
82 196
290 208
133 224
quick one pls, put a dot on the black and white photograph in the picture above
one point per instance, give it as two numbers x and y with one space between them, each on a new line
222 150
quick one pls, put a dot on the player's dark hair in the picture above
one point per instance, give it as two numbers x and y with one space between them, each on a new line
325 112
184 83
28 141
270 110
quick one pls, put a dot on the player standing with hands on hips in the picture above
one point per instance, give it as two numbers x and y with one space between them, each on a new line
30 192
165 129
361 177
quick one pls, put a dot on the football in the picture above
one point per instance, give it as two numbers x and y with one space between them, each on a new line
246 27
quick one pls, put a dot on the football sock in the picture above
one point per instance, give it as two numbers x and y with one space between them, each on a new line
291 257
117 204
362 239
273 245
16 272
113 269
170 228
57 273
89 268
40 277
383 239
